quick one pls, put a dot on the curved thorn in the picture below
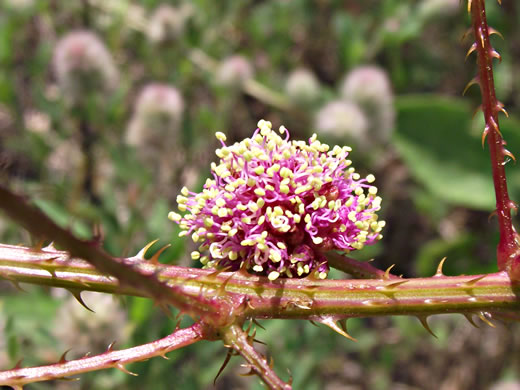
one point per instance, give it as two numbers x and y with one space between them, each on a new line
494 125
63 356
226 361
474 280
143 251
334 326
492 31
155 258
439 267
424 323
259 341
386 275
484 135
77 294
500 107
481 36
472 48
50 247
496 54
122 368
18 364
396 284
258 324
470 319
485 320
513 206
110 347
506 152
472 82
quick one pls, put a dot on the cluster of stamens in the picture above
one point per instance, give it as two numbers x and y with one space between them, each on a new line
275 206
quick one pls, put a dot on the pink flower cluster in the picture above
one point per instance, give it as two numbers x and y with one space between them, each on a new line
275 206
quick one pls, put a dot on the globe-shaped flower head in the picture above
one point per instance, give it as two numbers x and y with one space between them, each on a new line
275 206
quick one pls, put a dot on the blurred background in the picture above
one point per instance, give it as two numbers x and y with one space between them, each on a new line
108 108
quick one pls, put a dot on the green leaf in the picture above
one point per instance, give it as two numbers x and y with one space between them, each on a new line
435 142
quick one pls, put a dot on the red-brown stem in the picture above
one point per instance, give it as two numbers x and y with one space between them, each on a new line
19 377
508 248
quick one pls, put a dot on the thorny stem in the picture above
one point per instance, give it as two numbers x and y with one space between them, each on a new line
40 225
234 337
256 297
508 249
18 377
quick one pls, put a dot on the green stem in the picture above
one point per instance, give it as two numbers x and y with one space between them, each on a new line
234 337
249 296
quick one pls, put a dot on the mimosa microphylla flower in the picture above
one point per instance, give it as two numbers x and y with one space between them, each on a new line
275 206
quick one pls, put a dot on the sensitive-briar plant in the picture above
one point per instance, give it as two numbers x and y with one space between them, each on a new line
221 301
276 206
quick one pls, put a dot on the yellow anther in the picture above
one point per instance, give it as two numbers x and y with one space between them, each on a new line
195 255
222 212
173 216
258 268
181 199
317 240
259 170
220 136
260 191
220 202
281 245
195 237
273 275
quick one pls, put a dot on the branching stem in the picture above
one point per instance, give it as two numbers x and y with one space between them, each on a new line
234 337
